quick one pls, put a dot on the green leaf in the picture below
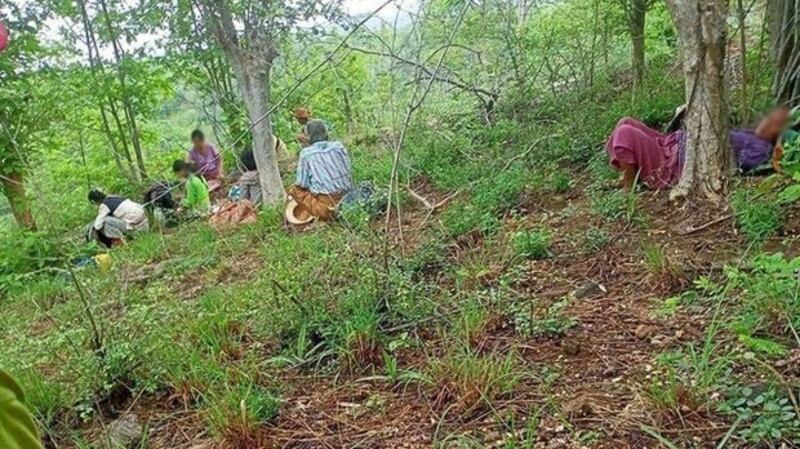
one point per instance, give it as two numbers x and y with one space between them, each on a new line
789 194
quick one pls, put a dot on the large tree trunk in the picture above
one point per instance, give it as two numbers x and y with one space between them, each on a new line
255 90
784 22
636 23
701 28
251 60
14 189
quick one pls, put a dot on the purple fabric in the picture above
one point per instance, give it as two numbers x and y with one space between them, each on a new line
660 157
751 150
207 164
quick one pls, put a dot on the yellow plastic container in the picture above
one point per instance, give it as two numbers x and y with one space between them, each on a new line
104 262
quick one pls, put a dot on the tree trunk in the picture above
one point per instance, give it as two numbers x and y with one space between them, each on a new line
774 18
636 22
701 28
251 60
127 104
741 13
784 17
14 189
255 90
95 66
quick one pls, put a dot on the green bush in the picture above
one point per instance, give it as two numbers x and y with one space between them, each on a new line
542 320
595 239
235 413
610 205
23 252
767 295
561 181
490 198
758 219
532 244
765 415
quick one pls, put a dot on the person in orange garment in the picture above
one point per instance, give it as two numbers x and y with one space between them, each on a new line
324 175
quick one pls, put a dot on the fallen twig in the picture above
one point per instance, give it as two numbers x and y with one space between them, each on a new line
706 225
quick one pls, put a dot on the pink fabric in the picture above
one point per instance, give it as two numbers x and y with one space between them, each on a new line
656 155
208 164
3 37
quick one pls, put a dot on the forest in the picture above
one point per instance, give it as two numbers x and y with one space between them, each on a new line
497 224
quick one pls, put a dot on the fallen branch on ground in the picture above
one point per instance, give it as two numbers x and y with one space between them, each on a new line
428 205
706 225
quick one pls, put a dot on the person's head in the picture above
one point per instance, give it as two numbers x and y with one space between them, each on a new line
198 139
248 160
303 115
181 168
97 196
774 124
316 131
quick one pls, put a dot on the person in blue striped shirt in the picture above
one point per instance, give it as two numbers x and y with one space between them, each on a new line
324 174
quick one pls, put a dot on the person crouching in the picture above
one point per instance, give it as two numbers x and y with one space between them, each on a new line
196 201
117 217
324 175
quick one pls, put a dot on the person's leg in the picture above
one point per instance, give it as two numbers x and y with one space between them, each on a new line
629 174
320 206
108 242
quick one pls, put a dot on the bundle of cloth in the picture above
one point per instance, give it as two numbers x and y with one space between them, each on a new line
232 214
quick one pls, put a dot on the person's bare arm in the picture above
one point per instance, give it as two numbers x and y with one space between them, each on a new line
777 154
629 174
303 139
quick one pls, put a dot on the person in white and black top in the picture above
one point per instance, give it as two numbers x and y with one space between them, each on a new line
116 218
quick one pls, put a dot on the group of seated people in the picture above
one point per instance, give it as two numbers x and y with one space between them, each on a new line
324 173
656 159
324 177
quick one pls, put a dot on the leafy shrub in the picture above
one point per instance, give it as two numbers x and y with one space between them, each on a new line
765 415
767 295
561 181
22 252
756 218
610 205
532 244
595 239
535 320
490 198
235 413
